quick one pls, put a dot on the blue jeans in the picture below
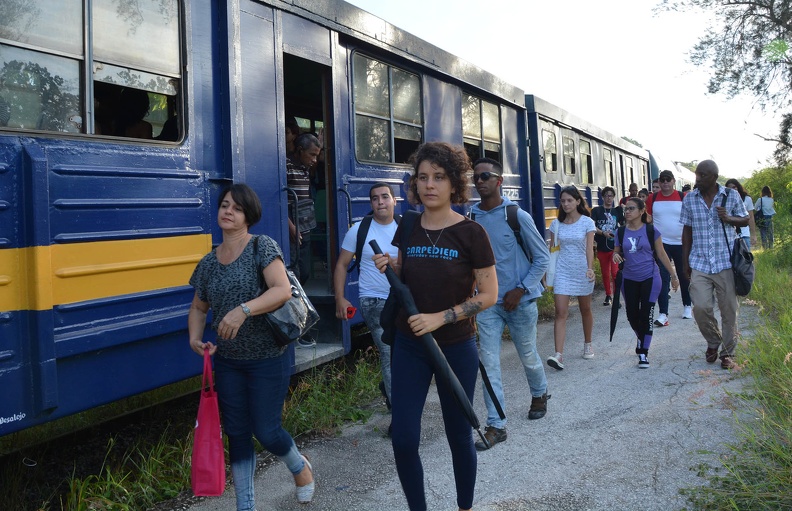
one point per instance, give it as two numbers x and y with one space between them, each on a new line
412 373
371 308
251 395
766 232
522 328
674 253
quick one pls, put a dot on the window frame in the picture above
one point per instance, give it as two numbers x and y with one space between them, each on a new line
554 157
86 64
609 165
586 162
568 144
392 121
482 139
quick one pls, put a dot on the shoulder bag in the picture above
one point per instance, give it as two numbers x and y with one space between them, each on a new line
551 268
741 261
207 473
295 317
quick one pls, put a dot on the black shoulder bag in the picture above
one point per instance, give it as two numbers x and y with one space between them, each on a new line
741 260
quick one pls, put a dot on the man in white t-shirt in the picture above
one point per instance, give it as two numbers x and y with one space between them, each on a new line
373 287
665 207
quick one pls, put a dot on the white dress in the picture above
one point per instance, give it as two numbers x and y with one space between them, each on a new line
571 266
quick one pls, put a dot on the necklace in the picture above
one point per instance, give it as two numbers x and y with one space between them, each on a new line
435 242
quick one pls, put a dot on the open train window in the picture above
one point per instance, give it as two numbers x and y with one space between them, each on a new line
481 128
629 169
586 162
607 158
550 151
124 80
388 111
569 156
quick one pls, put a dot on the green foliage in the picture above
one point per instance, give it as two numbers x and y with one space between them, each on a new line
757 472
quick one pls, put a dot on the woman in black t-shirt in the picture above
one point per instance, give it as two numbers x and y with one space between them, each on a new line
447 257
607 218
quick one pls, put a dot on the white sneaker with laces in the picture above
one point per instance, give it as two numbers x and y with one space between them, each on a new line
688 314
588 350
662 320
556 361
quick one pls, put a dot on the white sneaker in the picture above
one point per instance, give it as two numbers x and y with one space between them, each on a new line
688 314
662 320
556 361
588 350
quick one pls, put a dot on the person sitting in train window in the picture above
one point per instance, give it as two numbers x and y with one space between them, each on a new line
633 193
133 105
643 194
170 130
655 185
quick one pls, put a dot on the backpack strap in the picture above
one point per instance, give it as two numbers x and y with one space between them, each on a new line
363 230
514 225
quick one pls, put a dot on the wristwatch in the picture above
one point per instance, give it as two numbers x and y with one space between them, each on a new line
245 309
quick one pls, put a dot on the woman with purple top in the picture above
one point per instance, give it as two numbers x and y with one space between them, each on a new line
640 273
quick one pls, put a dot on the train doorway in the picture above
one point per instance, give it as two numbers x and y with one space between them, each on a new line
307 100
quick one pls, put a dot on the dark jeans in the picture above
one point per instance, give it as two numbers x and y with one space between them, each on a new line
675 254
301 258
412 376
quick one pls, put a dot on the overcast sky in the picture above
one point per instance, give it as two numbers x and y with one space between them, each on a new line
612 62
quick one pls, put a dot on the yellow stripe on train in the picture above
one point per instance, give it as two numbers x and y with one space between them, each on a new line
36 278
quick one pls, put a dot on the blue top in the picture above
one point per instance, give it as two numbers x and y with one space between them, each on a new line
639 261
513 268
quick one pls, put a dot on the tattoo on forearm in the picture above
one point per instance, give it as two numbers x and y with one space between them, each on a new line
470 309
449 317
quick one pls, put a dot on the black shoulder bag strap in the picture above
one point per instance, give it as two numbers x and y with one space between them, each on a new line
723 205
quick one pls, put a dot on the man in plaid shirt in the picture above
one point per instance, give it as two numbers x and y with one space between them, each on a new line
705 256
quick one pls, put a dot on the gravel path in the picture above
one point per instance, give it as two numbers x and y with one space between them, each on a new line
615 437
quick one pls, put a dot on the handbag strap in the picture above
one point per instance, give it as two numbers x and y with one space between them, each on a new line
207 373
723 205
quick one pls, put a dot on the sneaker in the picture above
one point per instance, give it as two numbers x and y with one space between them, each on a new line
608 301
538 407
711 355
494 436
643 361
306 342
588 350
556 361
728 362
688 314
662 320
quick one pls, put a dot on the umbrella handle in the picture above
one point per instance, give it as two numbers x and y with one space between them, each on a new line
483 438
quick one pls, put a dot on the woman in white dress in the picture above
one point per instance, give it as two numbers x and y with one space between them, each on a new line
574 275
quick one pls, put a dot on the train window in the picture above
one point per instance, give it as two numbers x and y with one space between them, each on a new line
388 114
644 178
629 169
569 156
550 151
481 128
607 157
134 59
586 162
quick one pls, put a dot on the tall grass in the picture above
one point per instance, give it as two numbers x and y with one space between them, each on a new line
756 474
146 472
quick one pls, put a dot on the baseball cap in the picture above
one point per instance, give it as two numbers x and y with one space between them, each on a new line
666 173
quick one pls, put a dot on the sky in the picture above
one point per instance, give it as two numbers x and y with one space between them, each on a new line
614 63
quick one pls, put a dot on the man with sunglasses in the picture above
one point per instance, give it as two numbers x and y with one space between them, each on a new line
520 272
665 208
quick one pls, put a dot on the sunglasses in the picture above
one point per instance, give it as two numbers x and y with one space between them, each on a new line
484 176
630 208
666 179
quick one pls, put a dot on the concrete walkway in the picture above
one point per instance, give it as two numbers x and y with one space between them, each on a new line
615 437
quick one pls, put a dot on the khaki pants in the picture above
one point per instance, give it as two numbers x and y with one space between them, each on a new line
704 289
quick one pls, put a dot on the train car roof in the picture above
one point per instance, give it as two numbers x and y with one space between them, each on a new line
535 104
356 23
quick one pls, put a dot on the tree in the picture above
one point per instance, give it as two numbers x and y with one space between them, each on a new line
748 49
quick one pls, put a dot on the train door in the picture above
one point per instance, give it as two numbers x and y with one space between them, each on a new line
307 97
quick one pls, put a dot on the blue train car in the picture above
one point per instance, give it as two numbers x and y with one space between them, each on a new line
120 124
568 151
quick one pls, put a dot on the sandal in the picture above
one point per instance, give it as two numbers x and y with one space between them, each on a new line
305 493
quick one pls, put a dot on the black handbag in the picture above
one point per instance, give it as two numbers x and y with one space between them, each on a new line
294 318
741 262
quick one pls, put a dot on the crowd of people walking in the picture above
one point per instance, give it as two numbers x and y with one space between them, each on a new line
471 278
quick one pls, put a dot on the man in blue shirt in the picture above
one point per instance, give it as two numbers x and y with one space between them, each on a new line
519 286
706 260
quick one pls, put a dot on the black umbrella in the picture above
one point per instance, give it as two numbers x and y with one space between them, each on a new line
616 305
441 367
